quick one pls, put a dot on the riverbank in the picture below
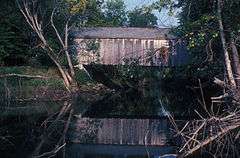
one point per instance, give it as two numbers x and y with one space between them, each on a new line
41 91
26 101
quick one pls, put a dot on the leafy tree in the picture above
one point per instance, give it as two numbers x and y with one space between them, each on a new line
141 17
94 15
199 26
115 12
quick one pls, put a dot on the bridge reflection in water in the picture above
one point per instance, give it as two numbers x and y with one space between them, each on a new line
118 151
115 137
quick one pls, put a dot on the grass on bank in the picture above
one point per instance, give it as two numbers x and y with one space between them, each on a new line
54 82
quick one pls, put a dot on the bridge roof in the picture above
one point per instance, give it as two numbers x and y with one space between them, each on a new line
122 33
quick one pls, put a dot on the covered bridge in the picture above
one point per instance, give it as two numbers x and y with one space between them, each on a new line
121 45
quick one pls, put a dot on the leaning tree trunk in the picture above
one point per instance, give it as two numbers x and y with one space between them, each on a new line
70 64
66 79
35 22
224 45
236 64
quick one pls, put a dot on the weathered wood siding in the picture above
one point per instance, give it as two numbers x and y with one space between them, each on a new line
121 131
113 51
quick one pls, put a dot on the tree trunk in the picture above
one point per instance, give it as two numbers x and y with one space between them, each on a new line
66 51
30 14
61 70
225 51
236 64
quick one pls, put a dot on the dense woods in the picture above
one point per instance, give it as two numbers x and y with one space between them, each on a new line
36 49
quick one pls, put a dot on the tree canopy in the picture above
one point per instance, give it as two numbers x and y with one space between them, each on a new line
115 12
141 17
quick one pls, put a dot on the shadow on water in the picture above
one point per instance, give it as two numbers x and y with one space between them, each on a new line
153 99
149 92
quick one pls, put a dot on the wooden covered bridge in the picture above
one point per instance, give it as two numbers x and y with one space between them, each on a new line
122 137
121 45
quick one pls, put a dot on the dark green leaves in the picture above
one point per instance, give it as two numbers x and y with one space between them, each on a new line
141 17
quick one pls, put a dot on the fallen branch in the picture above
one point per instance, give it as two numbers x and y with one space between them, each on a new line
209 140
23 76
220 97
220 82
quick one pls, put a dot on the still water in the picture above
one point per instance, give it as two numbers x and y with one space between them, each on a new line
115 151
148 102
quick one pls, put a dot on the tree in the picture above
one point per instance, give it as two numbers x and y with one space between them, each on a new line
93 15
14 43
211 29
115 12
228 65
141 17
203 24
38 19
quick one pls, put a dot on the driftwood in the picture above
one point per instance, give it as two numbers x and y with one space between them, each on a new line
209 140
208 131
201 133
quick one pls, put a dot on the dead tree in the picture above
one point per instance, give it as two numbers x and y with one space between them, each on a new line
236 63
229 70
33 15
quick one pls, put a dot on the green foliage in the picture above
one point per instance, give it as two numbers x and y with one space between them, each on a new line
93 14
5 43
141 17
76 6
27 70
54 82
115 12
200 29
167 4
82 77
13 34
93 45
